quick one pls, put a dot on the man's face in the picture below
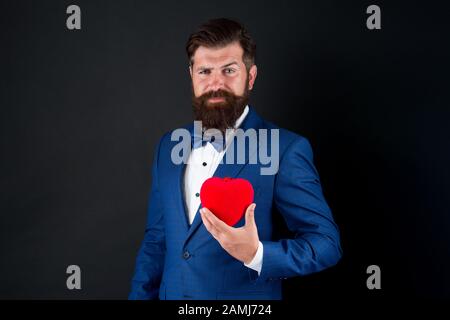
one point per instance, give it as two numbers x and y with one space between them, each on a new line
220 84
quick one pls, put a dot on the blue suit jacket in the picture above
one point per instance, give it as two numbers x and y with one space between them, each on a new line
178 261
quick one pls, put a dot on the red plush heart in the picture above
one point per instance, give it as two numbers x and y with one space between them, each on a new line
227 198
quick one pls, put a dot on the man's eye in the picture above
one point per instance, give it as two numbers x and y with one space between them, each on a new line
228 70
204 72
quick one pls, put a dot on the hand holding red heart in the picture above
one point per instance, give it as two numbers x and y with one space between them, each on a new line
241 243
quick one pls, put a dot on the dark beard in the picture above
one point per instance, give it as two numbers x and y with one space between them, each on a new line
219 115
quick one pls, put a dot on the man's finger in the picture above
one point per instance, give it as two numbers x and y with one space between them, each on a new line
212 227
250 215
209 226
216 222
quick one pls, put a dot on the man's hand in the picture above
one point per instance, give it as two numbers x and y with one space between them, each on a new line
241 243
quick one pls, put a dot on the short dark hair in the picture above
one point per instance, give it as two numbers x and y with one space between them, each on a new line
217 33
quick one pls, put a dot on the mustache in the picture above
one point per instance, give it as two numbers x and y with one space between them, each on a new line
221 93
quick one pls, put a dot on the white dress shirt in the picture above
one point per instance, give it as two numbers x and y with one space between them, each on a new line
201 165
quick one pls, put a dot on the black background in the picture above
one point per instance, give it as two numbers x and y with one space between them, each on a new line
81 112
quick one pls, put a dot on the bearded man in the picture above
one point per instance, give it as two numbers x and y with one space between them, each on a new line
187 251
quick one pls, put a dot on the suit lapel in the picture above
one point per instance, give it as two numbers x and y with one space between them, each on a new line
178 193
175 188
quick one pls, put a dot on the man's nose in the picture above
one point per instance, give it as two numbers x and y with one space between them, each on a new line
216 82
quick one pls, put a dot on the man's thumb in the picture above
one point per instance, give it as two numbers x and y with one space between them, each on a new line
250 215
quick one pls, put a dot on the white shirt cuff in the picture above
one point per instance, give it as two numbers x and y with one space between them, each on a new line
256 263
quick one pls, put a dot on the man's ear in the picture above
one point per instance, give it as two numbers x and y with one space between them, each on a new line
190 70
252 76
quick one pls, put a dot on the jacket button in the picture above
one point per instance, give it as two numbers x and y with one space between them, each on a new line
186 255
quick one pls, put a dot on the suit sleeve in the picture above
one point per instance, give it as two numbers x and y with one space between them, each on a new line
299 198
151 255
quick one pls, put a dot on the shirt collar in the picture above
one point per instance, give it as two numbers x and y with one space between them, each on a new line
241 117
238 123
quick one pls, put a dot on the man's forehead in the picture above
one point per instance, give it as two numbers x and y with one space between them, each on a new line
218 56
